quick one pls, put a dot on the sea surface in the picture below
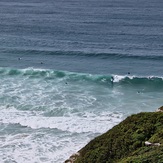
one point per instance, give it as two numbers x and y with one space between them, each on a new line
72 69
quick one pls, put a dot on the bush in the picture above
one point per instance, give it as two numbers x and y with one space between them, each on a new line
125 142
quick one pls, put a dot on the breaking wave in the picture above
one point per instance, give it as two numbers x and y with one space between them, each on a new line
74 76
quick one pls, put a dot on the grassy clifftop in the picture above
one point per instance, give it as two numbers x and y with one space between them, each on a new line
130 141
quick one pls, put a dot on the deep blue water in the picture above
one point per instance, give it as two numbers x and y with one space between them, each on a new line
88 36
70 70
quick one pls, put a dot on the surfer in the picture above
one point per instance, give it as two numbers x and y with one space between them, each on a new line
112 80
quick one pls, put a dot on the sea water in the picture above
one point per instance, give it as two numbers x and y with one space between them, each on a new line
71 70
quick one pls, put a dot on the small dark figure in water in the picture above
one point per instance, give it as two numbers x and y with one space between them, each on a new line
128 72
112 80
41 62
19 58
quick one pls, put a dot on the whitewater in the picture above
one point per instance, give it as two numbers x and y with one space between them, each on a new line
49 114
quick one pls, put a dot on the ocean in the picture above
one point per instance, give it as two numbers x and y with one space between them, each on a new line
70 70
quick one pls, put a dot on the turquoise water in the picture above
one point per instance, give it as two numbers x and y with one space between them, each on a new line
71 70
48 115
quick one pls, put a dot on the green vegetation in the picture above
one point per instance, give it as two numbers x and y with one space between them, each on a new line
125 143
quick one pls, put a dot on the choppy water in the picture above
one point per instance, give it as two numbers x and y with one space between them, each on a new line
71 70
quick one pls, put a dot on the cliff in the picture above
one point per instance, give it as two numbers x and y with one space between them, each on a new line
137 139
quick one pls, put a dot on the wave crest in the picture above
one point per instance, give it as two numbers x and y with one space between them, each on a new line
74 76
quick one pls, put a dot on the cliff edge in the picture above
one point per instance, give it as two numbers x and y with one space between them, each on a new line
137 139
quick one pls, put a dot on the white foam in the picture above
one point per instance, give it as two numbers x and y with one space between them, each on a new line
75 124
117 78
43 146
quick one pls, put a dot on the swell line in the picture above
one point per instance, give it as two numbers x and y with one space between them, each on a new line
82 54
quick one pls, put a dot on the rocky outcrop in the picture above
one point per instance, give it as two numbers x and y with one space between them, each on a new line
147 143
73 158
160 109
